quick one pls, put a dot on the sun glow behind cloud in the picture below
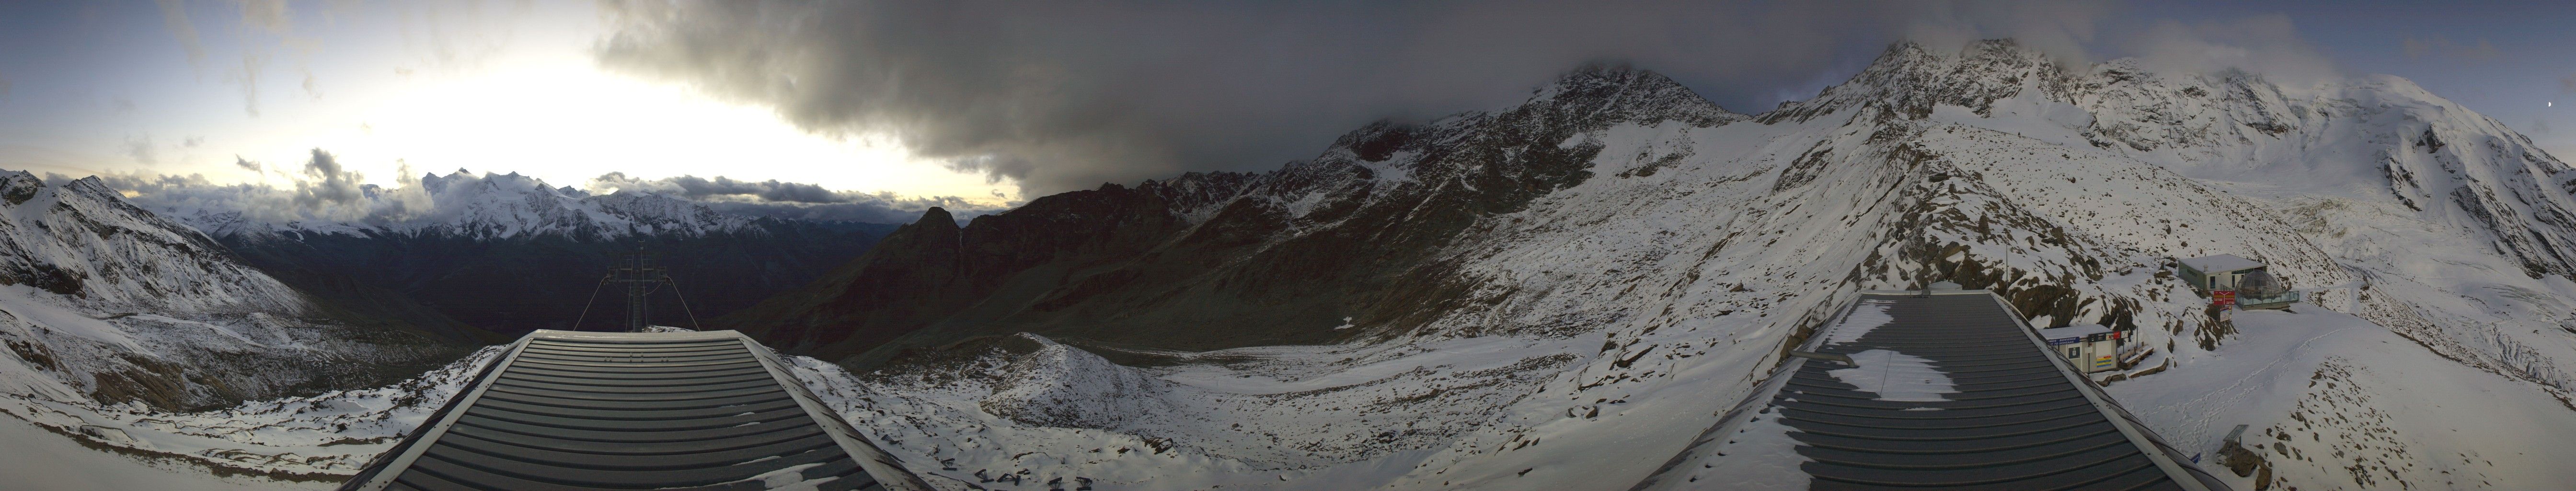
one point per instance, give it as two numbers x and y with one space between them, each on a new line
565 121
428 86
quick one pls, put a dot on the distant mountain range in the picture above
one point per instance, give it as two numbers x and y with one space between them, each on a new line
506 254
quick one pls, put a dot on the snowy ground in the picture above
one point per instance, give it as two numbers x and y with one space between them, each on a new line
35 459
2333 400
293 442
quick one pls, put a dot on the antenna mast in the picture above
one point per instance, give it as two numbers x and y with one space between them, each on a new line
637 271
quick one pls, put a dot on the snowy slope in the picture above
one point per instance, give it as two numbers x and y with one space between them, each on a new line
103 300
110 309
115 319
1606 321
2333 401
83 241
296 441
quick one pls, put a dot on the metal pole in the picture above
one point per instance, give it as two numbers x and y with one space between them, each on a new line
635 307
635 269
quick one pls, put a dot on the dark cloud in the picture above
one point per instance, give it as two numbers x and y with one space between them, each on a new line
1065 95
327 183
246 164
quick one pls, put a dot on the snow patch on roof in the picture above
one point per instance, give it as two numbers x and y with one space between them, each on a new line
1896 376
1868 316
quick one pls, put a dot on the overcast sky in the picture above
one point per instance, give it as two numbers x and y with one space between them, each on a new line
997 101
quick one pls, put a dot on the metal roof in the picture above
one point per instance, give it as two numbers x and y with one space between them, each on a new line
2019 418
2220 264
2078 330
579 411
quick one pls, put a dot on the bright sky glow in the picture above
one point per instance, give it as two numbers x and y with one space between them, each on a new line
565 121
434 86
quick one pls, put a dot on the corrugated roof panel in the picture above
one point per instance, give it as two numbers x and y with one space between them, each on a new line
628 411
1960 394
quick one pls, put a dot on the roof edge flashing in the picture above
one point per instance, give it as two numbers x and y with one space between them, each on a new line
2186 475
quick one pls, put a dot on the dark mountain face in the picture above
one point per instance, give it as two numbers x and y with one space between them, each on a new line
495 289
1211 261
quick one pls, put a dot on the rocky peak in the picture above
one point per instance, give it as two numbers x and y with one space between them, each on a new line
1908 79
19 186
936 217
1602 93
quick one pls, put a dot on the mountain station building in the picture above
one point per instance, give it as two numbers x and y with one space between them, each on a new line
2240 282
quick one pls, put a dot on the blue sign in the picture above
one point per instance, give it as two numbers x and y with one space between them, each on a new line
2062 341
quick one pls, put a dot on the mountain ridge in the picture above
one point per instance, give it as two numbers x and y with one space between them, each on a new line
1594 279
1328 208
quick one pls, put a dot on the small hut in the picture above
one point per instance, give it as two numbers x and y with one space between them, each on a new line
2093 348
2244 283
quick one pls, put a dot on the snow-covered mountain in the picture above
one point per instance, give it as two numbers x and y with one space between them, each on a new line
487 207
104 301
81 240
1559 294
503 254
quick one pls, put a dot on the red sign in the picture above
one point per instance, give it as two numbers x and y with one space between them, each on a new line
2222 297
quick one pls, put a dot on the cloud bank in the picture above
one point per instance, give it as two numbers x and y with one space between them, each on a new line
2269 45
773 198
323 190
